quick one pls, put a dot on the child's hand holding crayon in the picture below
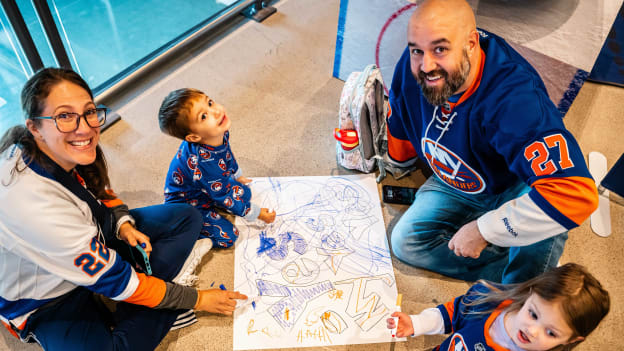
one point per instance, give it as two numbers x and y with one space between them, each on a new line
218 301
404 327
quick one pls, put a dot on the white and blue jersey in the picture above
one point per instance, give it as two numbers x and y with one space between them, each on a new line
50 243
502 130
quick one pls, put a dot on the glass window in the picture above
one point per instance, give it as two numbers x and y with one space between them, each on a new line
104 38
14 71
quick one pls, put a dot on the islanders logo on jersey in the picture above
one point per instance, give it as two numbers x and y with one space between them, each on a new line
228 202
457 343
228 156
237 192
451 169
203 153
177 177
222 164
191 162
216 186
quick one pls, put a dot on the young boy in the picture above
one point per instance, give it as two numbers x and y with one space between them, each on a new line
204 172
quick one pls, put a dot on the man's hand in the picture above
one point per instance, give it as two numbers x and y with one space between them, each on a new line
243 180
266 216
132 236
218 301
468 241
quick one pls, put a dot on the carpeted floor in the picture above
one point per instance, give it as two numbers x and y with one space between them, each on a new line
275 80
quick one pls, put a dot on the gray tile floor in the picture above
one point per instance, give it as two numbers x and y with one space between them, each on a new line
275 80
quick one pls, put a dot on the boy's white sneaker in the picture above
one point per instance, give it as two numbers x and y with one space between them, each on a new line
185 276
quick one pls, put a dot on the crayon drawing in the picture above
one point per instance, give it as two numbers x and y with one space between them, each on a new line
321 274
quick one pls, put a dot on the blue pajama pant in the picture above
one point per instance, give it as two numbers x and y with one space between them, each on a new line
77 322
221 231
420 238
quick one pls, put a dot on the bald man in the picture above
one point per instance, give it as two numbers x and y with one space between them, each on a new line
509 179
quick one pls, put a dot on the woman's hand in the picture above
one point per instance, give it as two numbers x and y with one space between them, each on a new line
129 234
244 180
266 216
218 301
405 327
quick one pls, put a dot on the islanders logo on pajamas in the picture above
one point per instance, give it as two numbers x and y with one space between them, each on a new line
228 156
191 162
214 215
203 153
228 202
216 186
197 174
222 164
237 192
451 169
177 177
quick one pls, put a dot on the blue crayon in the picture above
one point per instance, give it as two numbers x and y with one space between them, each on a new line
253 304
143 245
222 287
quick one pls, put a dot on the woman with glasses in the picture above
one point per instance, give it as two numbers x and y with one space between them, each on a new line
65 238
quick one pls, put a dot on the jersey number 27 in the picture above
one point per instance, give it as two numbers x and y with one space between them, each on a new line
539 155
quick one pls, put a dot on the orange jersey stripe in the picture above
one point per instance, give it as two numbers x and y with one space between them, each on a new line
150 292
10 330
450 309
400 150
575 197
488 324
474 86
112 203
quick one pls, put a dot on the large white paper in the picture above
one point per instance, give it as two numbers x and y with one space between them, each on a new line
321 274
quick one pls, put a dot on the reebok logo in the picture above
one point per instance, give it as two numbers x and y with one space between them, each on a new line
509 228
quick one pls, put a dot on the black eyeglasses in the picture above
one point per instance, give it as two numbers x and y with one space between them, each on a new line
69 121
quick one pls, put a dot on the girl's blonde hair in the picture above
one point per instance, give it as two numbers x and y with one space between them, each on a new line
584 302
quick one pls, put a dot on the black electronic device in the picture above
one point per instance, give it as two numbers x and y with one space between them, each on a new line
398 194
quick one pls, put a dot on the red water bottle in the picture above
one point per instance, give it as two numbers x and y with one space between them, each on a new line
348 138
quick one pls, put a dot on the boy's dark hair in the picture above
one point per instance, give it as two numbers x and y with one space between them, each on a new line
175 111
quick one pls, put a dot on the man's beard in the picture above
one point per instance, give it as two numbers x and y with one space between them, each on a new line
452 82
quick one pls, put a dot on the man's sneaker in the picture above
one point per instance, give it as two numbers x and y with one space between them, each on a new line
185 276
184 319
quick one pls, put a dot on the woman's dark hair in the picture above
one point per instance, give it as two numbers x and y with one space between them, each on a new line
175 111
33 99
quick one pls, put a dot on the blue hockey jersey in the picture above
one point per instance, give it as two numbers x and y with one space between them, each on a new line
501 130
469 330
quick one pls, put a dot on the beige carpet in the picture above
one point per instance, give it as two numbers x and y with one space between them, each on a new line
275 80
